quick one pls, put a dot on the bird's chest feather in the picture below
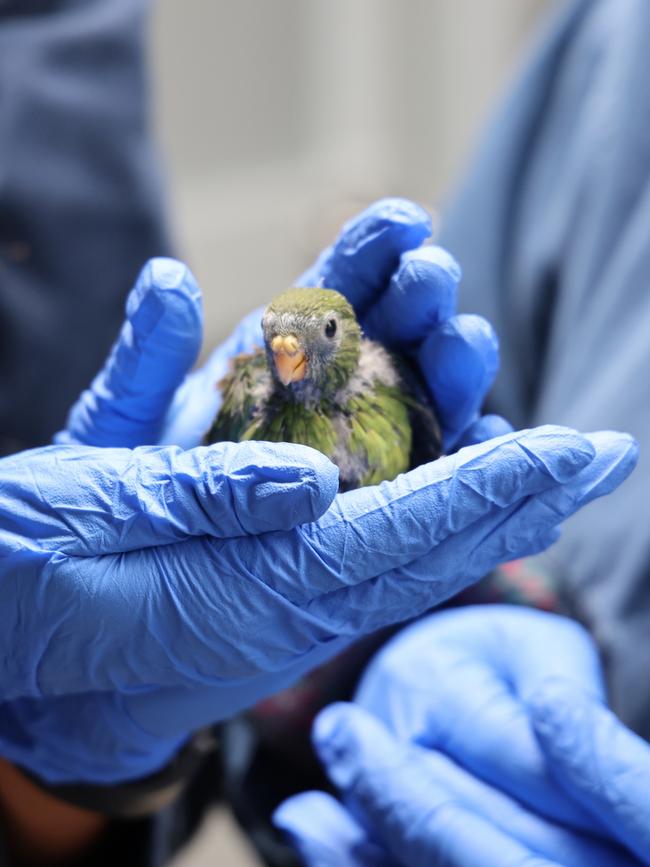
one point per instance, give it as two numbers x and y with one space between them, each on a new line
295 423
367 436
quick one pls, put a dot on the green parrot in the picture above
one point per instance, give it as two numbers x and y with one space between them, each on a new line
319 382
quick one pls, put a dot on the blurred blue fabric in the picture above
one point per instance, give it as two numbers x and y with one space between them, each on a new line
552 229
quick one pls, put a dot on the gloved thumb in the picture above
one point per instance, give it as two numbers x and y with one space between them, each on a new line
109 501
601 763
159 342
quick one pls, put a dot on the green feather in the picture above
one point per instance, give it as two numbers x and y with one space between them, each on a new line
367 419
380 433
247 377
293 423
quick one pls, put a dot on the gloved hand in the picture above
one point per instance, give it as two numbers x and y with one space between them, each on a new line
172 583
404 294
143 396
488 743
129 403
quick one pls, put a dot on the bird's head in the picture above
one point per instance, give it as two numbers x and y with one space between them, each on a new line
312 340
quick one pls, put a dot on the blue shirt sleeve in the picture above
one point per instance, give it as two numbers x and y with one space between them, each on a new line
552 227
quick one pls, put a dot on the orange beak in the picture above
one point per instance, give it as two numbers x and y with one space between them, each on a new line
290 360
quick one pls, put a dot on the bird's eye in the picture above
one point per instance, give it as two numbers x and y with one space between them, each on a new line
330 328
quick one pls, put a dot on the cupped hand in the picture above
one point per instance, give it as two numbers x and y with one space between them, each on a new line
404 294
403 804
191 584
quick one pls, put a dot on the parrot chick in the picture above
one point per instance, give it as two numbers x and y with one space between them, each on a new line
319 382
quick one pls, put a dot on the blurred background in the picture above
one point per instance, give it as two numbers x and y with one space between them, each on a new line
278 119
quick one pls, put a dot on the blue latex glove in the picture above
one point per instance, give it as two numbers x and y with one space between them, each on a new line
172 583
499 749
144 395
404 296
407 805
136 399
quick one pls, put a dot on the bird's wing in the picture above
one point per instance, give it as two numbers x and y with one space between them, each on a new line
392 425
245 390
378 442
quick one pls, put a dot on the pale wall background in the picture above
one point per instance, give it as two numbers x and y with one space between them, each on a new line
280 118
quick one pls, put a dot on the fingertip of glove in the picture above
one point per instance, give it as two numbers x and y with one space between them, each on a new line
320 828
290 814
434 263
335 740
275 486
563 451
164 286
615 457
555 706
322 481
408 223
315 473
398 210
346 739
617 448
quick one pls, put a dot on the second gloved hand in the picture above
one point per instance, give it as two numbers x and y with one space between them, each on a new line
488 742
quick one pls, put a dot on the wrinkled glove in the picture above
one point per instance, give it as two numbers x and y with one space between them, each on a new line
493 747
404 294
144 396
172 582
136 399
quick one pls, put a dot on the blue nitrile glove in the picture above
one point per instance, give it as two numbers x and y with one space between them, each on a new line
411 806
405 297
140 574
136 400
503 706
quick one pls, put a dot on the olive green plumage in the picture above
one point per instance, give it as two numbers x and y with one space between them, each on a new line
319 382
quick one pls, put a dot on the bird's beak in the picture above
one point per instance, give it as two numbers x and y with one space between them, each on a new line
290 360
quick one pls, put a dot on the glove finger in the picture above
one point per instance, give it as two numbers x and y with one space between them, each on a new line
372 530
159 342
122 500
325 834
214 598
421 294
396 792
461 559
360 262
198 399
486 427
459 361
602 764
